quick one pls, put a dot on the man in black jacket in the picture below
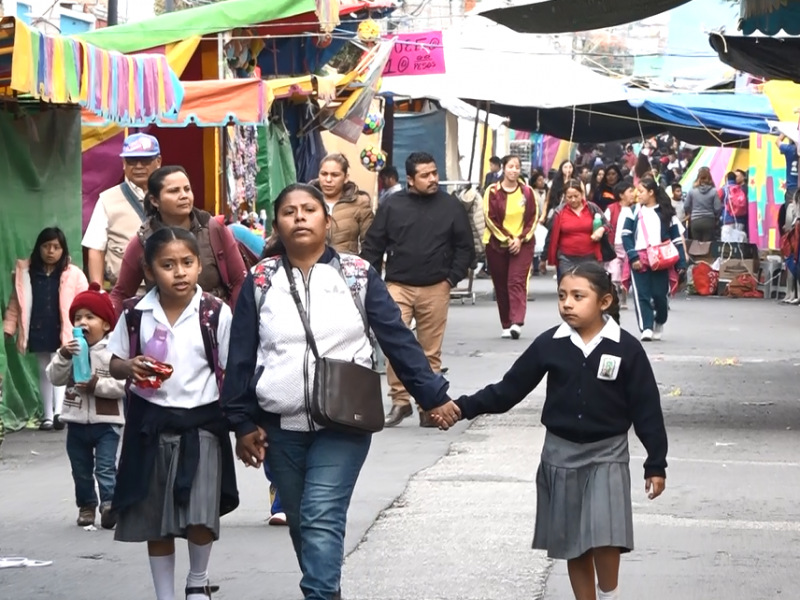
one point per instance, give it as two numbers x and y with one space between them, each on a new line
427 239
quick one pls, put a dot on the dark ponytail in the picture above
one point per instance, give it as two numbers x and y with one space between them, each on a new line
601 283
662 199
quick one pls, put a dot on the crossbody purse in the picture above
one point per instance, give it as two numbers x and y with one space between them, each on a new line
346 396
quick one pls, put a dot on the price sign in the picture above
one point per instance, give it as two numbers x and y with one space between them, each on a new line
416 54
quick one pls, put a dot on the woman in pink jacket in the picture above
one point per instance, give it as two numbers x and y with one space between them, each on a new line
38 311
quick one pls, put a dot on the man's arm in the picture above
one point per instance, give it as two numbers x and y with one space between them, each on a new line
96 265
373 245
95 241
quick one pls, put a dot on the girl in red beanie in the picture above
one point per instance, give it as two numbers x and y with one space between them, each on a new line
92 410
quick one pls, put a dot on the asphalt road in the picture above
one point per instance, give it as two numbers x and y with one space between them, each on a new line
449 516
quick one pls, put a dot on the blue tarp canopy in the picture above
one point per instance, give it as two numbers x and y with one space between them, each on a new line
742 113
770 17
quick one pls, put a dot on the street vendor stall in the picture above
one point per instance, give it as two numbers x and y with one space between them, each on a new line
44 82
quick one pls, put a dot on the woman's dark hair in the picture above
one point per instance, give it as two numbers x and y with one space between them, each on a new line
275 247
508 158
663 200
559 186
601 283
339 158
574 184
49 234
155 183
165 235
642 166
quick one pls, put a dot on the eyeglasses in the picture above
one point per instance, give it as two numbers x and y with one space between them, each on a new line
145 161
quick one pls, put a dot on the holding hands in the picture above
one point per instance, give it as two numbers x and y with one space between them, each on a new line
252 448
446 415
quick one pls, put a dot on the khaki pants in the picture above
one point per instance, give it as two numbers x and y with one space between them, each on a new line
429 306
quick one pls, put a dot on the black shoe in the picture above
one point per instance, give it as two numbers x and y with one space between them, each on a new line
58 424
108 518
397 415
206 590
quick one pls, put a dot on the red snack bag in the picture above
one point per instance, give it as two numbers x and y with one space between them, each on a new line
161 372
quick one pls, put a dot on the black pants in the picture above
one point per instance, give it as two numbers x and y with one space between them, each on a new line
703 229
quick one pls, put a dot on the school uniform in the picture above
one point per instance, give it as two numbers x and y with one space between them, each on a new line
176 468
650 288
595 392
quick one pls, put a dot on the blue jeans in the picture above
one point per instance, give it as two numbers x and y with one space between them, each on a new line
92 451
273 492
315 473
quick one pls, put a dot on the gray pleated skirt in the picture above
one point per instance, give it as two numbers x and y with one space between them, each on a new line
583 497
158 516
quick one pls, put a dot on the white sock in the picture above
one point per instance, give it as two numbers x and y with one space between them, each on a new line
612 595
199 557
163 570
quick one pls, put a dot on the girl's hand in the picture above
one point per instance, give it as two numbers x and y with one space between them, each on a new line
654 487
636 265
251 448
137 368
514 246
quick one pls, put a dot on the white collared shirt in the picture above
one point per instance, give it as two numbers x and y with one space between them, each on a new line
646 216
96 236
610 331
193 383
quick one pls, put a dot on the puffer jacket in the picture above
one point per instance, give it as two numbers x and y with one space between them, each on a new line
350 219
104 405
473 204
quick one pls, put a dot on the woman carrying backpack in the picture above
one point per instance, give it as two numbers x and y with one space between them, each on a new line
734 207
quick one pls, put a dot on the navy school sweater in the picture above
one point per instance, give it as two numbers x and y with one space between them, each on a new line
579 406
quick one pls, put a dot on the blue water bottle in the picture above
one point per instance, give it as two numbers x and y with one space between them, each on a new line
81 365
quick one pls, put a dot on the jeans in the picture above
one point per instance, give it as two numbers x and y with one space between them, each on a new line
92 451
276 506
315 473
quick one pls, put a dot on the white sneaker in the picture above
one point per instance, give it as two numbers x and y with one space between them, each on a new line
647 335
516 331
506 335
658 331
278 519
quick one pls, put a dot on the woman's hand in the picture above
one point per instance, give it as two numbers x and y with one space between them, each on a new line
251 448
654 487
636 265
514 246
598 234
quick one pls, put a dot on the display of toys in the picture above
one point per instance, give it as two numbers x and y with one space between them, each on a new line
373 123
368 31
373 158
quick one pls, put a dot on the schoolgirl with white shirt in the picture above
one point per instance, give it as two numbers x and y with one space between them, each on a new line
176 471
599 383
652 222
617 214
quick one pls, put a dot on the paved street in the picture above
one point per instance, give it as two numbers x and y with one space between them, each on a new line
449 516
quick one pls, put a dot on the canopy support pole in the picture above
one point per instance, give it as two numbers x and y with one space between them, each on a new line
485 141
474 143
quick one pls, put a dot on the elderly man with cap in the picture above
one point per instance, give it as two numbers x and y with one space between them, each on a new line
119 211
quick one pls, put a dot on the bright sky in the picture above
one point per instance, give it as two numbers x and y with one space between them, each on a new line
135 10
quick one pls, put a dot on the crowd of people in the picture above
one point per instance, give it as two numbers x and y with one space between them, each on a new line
163 300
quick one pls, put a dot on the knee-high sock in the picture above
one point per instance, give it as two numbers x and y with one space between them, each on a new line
199 557
163 570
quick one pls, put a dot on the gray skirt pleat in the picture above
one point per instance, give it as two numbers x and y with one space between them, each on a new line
583 497
158 516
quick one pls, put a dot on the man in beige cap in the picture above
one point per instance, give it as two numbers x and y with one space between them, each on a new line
119 211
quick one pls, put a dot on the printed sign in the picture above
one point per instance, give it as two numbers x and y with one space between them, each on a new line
416 54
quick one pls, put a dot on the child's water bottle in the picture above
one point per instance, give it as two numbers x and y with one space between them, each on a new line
597 222
81 365
157 349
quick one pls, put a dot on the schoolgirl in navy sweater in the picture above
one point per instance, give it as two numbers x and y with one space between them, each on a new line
599 383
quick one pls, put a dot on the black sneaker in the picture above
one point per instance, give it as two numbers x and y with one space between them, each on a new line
58 424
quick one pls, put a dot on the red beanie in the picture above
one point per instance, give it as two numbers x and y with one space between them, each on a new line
97 301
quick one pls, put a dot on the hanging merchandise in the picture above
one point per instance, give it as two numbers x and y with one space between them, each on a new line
310 148
373 158
373 123
242 168
369 31
275 163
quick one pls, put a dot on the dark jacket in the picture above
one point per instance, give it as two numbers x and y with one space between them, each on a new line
427 239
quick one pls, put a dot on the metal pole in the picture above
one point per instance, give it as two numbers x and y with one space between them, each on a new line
485 141
169 6
474 143
112 16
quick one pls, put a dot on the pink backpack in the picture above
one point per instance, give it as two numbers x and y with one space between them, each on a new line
736 199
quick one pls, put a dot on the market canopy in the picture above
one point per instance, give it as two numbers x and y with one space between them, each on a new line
565 16
60 70
767 57
770 16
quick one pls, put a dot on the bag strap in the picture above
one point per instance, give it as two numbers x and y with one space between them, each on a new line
133 321
132 200
210 307
217 241
644 227
312 343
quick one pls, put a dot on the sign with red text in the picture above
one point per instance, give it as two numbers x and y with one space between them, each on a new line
416 54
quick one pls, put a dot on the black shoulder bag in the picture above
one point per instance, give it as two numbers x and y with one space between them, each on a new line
346 396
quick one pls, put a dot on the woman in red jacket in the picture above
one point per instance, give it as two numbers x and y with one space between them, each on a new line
170 203
511 213
573 238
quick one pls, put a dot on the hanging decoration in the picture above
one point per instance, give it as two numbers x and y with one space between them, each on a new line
373 158
242 54
369 31
242 167
373 123
323 40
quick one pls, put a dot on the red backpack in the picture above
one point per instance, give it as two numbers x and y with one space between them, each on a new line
736 200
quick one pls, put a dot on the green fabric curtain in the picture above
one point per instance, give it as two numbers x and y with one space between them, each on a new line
276 166
40 171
